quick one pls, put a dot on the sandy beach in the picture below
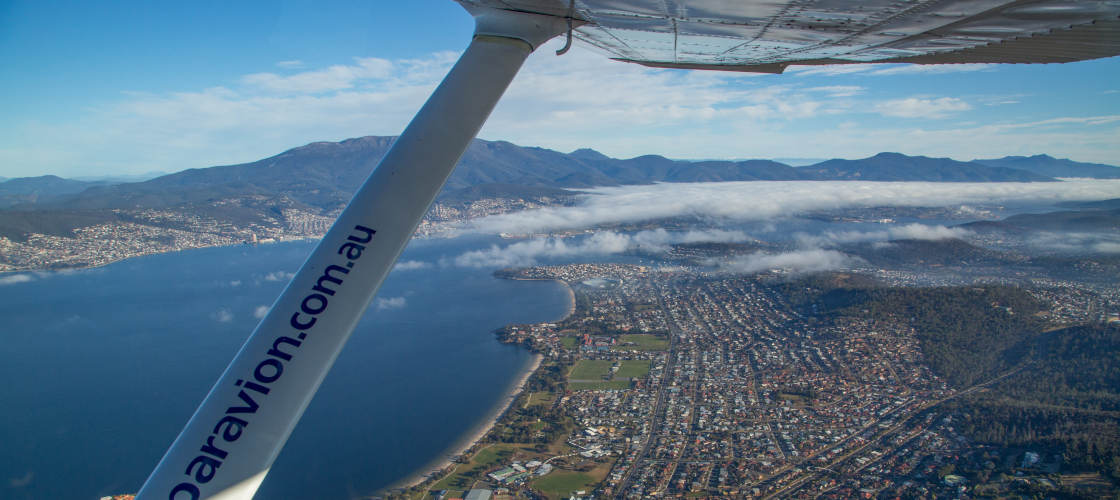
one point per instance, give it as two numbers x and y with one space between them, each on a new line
571 300
446 460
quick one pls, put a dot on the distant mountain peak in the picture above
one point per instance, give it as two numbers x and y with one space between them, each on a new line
890 154
588 154
651 158
1042 156
40 178
35 189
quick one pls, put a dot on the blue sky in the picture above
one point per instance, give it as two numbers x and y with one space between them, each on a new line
130 87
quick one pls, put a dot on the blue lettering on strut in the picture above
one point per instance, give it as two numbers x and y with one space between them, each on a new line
203 467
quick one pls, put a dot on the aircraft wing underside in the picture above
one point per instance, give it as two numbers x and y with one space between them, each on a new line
768 35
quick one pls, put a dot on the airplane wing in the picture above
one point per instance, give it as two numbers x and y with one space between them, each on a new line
229 444
768 36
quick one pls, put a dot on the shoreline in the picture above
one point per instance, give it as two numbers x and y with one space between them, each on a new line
472 439
571 293
64 268
61 266
571 299
447 458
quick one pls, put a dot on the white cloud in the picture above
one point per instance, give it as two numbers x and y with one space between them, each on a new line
260 311
264 114
391 303
584 94
526 253
235 283
577 97
830 70
1075 242
336 77
411 265
886 69
913 231
222 315
279 276
915 107
930 69
12 279
1065 120
580 100
763 200
838 90
658 240
1107 247
295 63
923 232
1077 136
801 261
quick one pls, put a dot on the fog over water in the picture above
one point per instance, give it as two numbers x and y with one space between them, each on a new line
767 200
775 212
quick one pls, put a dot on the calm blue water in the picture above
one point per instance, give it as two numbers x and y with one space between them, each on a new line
101 368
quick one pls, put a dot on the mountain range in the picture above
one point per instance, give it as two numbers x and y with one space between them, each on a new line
321 176
1053 167
33 190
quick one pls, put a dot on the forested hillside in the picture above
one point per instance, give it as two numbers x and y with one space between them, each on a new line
1066 400
968 334
1061 395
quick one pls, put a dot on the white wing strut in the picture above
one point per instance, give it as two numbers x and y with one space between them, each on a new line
231 441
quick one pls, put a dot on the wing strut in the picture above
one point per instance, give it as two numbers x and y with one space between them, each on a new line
231 441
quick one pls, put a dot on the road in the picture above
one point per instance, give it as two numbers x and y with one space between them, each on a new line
797 482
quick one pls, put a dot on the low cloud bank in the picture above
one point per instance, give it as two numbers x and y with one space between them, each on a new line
526 253
1107 247
815 255
1076 242
913 231
801 261
762 200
